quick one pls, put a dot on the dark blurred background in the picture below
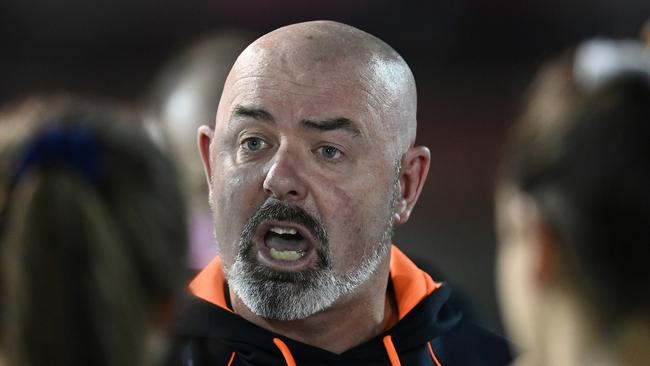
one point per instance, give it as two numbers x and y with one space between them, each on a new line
471 58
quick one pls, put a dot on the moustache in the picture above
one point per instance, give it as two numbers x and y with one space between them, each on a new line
276 210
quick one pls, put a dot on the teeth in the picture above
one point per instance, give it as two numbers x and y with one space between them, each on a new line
284 230
286 255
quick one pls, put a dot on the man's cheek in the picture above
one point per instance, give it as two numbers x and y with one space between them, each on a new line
235 191
237 197
346 230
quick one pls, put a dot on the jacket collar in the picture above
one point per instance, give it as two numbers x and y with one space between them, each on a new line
410 284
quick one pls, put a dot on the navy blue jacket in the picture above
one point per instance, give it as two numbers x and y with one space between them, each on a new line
429 330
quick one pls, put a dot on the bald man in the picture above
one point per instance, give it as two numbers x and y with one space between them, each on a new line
311 163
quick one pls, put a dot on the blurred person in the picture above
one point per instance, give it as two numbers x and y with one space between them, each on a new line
311 163
17 121
92 239
183 97
573 211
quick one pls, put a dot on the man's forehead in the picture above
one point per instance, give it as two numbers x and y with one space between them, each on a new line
327 59
302 66
275 101
262 73
303 111
259 72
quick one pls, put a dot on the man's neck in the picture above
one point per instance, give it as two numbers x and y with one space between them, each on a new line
351 321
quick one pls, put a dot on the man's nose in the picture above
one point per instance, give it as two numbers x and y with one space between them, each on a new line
284 179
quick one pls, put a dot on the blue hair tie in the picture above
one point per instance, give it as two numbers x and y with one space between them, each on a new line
75 147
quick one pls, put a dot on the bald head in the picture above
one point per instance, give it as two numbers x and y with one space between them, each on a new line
304 52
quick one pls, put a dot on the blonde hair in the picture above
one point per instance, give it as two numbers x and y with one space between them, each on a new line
86 257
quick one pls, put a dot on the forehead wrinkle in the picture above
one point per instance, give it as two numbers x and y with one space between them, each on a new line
373 100
364 85
285 92
275 82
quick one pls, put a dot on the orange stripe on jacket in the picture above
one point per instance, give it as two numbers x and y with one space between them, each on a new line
232 358
392 353
209 284
410 284
286 353
433 355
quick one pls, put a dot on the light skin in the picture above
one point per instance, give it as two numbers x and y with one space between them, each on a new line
545 312
316 115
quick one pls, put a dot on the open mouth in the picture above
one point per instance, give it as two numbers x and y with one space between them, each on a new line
285 243
285 246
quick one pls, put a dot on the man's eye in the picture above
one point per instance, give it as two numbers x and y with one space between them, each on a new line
253 143
330 152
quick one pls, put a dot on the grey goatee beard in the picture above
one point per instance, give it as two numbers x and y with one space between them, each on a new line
298 295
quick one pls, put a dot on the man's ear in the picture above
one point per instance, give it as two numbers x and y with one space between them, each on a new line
414 170
205 135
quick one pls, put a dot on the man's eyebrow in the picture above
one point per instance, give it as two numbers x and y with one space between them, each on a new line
340 123
252 112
